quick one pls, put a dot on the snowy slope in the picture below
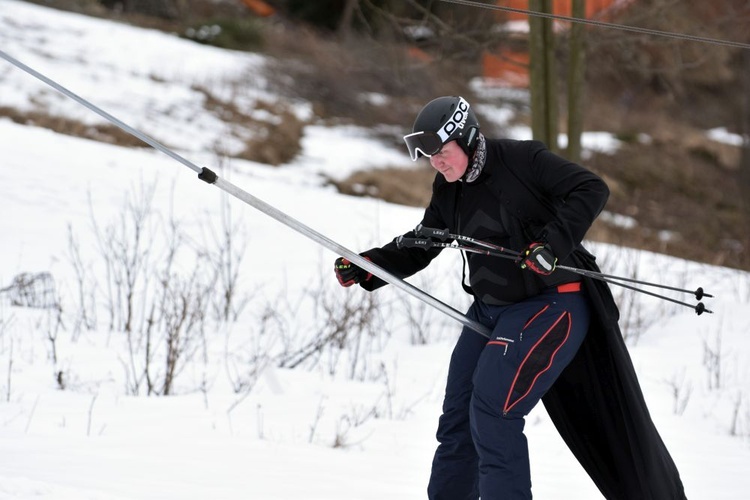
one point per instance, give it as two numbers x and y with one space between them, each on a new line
97 440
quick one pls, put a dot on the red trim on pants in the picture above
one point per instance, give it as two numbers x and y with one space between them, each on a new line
508 404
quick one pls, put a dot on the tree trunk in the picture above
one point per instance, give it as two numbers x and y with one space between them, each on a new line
744 170
347 17
542 76
576 82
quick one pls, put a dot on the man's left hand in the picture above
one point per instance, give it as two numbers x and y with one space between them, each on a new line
539 258
348 274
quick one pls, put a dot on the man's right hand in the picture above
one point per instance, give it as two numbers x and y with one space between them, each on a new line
348 274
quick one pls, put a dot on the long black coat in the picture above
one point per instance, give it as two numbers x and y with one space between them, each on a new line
596 403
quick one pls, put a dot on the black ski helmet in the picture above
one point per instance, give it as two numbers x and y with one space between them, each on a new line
443 120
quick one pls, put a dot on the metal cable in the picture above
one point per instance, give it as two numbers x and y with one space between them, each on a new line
210 177
603 24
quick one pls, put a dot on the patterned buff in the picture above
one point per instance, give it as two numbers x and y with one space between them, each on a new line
477 160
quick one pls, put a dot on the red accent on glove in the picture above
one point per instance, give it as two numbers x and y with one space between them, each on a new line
539 258
349 274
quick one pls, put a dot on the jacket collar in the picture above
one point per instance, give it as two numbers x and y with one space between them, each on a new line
478 160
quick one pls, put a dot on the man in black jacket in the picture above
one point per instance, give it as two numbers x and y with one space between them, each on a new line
554 336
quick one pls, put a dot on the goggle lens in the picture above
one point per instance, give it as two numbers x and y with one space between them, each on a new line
426 143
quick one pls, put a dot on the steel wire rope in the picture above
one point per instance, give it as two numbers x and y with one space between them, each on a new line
210 177
602 24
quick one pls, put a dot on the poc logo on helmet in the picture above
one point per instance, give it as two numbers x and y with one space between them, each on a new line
456 121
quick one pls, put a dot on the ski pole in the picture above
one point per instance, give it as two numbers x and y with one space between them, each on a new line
444 234
210 177
498 251
699 308
698 292
426 244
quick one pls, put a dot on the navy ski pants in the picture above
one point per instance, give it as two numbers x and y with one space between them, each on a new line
493 384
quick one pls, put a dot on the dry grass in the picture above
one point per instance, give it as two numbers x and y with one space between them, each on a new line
395 185
362 80
275 142
684 190
62 125
275 139
680 184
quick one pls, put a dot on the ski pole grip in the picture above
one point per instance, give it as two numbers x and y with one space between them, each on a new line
424 244
431 232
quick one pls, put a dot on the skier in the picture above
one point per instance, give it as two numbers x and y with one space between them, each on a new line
554 336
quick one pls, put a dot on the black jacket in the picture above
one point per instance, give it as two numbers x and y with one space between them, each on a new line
525 193
566 198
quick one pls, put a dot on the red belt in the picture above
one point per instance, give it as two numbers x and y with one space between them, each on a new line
569 287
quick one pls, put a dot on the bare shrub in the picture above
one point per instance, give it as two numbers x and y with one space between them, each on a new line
357 416
389 394
424 323
183 305
713 360
735 429
126 249
318 416
344 331
85 286
53 325
155 291
9 381
338 77
340 332
681 391
635 318
5 324
32 290
246 361
641 305
229 242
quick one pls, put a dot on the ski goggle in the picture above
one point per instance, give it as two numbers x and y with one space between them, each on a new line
426 143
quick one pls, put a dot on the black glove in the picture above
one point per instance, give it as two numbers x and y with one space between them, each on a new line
539 258
348 274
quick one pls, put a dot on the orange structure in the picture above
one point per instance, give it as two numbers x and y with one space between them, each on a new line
509 65
594 8
259 7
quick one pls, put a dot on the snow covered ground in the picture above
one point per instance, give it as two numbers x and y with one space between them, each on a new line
358 423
